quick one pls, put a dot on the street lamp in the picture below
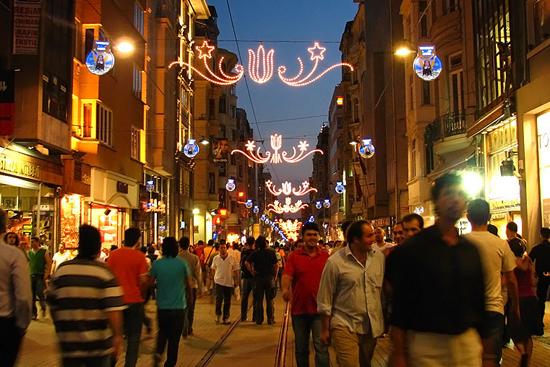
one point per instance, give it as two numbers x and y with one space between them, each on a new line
125 47
404 51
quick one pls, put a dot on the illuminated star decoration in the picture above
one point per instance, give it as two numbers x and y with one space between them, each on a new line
317 55
276 157
287 189
205 54
287 207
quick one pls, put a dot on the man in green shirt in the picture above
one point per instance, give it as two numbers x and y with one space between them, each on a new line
40 264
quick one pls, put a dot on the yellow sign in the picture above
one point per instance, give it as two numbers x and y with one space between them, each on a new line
18 164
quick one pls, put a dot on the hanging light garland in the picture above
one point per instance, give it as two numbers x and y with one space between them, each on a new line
287 207
287 189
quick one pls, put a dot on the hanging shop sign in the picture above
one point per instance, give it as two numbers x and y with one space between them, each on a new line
366 149
100 60
326 203
26 26
230 185
340 187
427 65
191 149
261 67
248 204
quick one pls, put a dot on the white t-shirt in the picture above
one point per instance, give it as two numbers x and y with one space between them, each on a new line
223 270
496 258
59 258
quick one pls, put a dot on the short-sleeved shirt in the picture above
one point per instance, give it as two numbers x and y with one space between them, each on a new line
59 258
129 264
540 254
263 261
224 269
172 274
306 273
80 295
496 258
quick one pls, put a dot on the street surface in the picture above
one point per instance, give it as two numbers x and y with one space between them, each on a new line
248 345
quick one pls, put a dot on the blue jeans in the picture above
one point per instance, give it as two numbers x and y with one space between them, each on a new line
104 361
133 319
303 326
246 289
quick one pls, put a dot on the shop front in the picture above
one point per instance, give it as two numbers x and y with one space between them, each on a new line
543 133
109 208
153 197
30 184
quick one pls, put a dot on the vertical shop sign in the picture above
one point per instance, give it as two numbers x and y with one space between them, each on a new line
7 102
26 26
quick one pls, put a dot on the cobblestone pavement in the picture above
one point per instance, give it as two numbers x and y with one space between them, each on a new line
248 344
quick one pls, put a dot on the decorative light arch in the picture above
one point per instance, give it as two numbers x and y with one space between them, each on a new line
287 207
287 189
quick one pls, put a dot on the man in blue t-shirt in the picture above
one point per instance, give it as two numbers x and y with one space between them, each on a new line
173 293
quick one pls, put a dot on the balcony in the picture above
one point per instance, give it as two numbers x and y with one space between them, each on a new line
446 126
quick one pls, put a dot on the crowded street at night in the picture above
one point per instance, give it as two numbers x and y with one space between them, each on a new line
291 183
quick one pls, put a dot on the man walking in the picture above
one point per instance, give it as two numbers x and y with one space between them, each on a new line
84 295
303 273
15 298
412 224
262 263
59 258
247 279
349 298
496 259
225 274
40 264
194 265
130 267
540 254
438 292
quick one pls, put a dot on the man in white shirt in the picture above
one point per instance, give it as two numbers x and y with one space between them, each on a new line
349 298
381 244
225 273
496 259
15 297
60 257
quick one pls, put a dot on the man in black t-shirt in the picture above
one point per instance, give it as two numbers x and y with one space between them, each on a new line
247 279
262 264
540 254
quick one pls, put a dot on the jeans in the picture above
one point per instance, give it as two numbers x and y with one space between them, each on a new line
189 315
38 287
263 285
133 319
493 335
542 293
223 294
303 326
247 288
10 341
104 361
170 324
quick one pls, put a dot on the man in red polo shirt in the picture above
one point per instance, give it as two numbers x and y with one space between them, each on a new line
130 268
303 271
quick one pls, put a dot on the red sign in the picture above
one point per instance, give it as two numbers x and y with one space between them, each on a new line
7 102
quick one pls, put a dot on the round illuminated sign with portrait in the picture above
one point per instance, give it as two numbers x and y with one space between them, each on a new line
248 204
256 209
100 60
326 203
318 205
191 149
427 65
340 188
230 185
366 149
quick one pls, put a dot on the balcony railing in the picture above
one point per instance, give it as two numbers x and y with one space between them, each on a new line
446 126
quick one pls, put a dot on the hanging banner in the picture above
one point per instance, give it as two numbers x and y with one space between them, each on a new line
7 102
26 26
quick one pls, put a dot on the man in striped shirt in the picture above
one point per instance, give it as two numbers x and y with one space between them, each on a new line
86 304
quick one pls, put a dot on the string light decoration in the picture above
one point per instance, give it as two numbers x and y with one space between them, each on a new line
287 207
287 189
205 54
276 157
317 55
260 67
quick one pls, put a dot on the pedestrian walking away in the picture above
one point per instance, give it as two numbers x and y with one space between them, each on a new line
247 286
225 271
130 267
262 264
300 285
174 284
84 294
40 266
540 254
15 298
438 289
194 266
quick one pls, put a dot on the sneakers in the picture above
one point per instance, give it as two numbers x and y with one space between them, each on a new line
218 318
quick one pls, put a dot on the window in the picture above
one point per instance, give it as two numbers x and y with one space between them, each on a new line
457 92
426 95
541 20
355 110
137 82
222 104
54 97
423 20
87 122
104 124
413 159
211 183
211 108
451 5
135 137
138 18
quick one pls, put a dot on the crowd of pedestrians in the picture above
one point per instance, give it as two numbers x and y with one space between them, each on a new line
445 299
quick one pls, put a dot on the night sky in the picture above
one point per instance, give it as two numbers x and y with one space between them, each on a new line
287 20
